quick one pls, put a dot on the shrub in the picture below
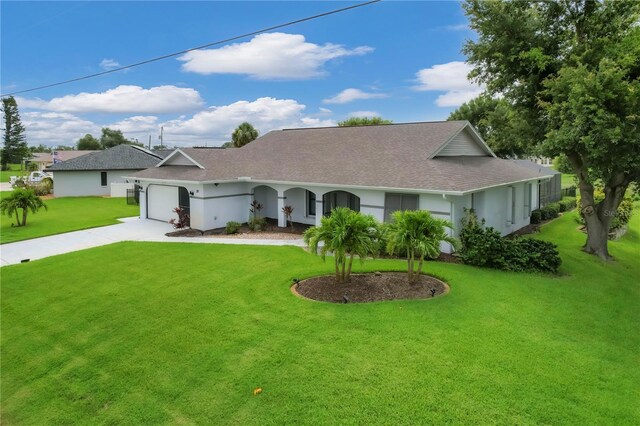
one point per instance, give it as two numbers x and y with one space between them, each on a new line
184 220
481 246
531 255
232 227
536 216
623 214
567 203
485 247
257 224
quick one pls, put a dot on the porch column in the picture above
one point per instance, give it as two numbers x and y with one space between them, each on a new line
319 210
143 202
282 219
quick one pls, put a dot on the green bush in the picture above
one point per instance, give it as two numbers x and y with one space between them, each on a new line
232 227
257 224
536 216
482 246
623 214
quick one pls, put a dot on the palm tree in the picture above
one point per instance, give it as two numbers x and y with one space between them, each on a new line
243 134
346 234
24 199
420 235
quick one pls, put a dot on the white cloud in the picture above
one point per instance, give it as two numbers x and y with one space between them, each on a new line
210 126
52 128
350 95
456 98
109 64
269 56
122 99
450 78
362 114
217 123
325 110
147 124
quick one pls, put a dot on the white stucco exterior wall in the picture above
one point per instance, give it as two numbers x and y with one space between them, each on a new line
84 183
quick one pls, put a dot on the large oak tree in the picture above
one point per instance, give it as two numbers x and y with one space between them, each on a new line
571 69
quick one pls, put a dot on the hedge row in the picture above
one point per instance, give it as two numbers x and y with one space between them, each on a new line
551 211
486 247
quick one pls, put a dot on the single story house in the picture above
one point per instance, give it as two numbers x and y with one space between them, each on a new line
46 159
101 172
443 167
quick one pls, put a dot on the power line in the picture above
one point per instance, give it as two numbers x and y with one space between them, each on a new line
170 55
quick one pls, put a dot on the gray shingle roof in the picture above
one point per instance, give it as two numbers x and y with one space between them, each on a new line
120 157
388 156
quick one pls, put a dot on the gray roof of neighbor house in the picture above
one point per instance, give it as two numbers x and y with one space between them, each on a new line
536 166
397 156
120 157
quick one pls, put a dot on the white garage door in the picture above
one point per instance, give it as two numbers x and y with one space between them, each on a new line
161 201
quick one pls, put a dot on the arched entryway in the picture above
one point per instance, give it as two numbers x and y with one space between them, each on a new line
334 199
268 198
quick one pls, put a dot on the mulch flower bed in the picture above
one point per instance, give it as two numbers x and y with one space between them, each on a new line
370 287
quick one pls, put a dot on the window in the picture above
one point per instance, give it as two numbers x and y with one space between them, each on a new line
402 202
527 200
103 178
311 203
334 199
512 196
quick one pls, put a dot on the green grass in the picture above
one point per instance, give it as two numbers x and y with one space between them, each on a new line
14 170
182 333
567 180
65 215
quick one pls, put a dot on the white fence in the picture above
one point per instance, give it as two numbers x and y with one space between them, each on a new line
120 189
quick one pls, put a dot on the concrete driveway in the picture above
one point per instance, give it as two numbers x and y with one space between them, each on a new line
132 229
5 186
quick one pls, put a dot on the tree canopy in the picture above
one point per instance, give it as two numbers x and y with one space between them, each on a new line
345 234
363 121
24 199
571 71
88 142
498 123
243 134
111 138
15 142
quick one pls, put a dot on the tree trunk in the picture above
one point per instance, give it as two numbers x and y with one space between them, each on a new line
17 218
598 217
348 277
412 264
337 269
420 267
24 216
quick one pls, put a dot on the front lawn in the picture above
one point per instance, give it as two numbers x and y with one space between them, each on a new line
14 170
65 215
183 333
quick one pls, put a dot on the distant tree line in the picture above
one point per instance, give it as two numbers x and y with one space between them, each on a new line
108 139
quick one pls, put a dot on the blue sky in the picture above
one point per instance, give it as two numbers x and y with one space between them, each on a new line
399 60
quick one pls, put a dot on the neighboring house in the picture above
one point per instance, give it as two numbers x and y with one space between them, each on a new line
443 167
542 161
96 173
45 159
550 190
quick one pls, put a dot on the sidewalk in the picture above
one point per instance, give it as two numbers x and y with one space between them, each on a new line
132 229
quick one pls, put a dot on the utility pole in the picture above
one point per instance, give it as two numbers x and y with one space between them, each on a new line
149 142
161 136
